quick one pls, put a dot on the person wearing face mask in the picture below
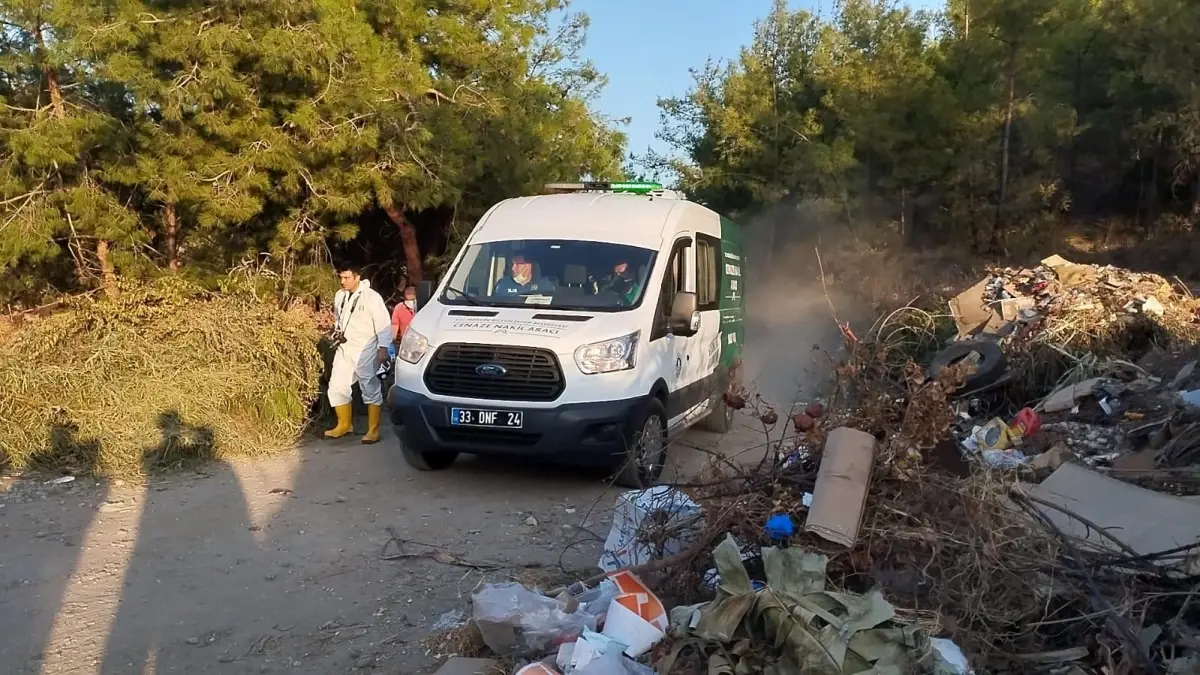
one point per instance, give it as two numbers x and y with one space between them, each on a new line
404 312
520 281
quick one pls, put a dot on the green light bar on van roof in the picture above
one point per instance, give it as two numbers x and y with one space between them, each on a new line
605 186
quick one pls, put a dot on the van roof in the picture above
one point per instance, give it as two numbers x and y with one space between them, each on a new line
619 218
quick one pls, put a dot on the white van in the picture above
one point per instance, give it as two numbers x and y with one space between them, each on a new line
585 327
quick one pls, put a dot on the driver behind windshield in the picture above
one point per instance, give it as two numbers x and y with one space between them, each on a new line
520 281
621 282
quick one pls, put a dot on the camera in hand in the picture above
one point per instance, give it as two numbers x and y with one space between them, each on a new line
337 337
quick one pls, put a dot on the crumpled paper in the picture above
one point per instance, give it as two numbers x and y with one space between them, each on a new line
819 631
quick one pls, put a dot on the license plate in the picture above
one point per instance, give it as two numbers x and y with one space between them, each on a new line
473 417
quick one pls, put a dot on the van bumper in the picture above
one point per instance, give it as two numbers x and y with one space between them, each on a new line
583 434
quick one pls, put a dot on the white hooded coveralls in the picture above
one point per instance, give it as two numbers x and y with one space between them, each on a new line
363 318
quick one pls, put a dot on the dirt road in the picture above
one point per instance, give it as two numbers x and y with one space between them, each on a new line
277 565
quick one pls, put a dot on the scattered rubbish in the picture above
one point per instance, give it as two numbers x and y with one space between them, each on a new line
448 620
671 513
779 527
1184 374
984 358
1191 398
972 313
537 669
516 620
1026 423
1052 458
1068 397
1078 500
1059 375
62 480
818 629
950 659
995 435
627 622
840 494
459 665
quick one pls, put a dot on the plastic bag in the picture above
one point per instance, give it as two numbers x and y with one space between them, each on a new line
514 619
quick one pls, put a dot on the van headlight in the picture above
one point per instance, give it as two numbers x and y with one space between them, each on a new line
608 356
412 346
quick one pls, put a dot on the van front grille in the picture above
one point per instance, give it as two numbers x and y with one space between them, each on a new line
529 374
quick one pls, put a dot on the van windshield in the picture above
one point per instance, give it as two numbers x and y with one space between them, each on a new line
561 274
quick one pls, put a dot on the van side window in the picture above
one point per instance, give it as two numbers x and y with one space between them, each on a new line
674 280
708 275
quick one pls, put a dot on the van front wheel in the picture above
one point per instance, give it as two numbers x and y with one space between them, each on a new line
427 460
646 446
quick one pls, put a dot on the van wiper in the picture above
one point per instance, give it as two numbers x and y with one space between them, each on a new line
471 300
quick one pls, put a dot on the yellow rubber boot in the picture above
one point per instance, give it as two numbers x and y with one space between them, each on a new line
344 413
372 435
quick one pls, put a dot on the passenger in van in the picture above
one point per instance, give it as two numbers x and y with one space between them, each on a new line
520 281
621 282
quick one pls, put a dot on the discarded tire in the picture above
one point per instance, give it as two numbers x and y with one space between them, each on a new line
991 367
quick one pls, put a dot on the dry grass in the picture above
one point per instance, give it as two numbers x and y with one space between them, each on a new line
162 375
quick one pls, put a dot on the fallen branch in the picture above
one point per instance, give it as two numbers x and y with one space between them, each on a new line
1117 624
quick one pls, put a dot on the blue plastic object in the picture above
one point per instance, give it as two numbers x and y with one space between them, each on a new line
779 526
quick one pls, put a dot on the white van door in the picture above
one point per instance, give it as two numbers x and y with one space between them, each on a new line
706 354
681 354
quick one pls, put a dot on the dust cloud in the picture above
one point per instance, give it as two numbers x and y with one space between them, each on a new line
791 334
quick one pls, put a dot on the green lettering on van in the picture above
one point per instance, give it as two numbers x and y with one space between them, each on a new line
732 267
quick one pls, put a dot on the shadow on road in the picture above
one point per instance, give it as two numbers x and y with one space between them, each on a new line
39 572
169 578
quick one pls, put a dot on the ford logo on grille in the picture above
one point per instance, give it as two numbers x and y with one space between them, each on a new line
491 370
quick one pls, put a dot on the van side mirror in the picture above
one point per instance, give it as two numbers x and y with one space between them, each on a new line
424 292
684 319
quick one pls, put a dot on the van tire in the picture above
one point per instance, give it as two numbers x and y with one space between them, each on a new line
428 460
719 420
638 471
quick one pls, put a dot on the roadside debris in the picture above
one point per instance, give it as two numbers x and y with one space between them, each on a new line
459 665
1024 498
840 494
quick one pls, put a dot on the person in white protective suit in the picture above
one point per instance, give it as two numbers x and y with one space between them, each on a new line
363 326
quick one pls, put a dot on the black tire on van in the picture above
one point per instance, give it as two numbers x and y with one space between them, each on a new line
427 460
720 419
646 442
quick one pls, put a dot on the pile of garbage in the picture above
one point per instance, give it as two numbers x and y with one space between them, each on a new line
773 611
1014 490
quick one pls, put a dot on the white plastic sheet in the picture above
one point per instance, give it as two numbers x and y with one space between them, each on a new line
671 513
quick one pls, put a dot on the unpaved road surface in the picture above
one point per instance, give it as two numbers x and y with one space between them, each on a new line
276 565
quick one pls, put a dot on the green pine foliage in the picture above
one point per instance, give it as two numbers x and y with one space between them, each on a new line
987 119
141 138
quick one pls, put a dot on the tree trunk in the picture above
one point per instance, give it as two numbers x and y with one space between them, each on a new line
1196 200
1006 140
408 238
57 108
1005 144
171 232
108 273
1152 196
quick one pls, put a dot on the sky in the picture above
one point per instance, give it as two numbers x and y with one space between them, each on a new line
647 46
